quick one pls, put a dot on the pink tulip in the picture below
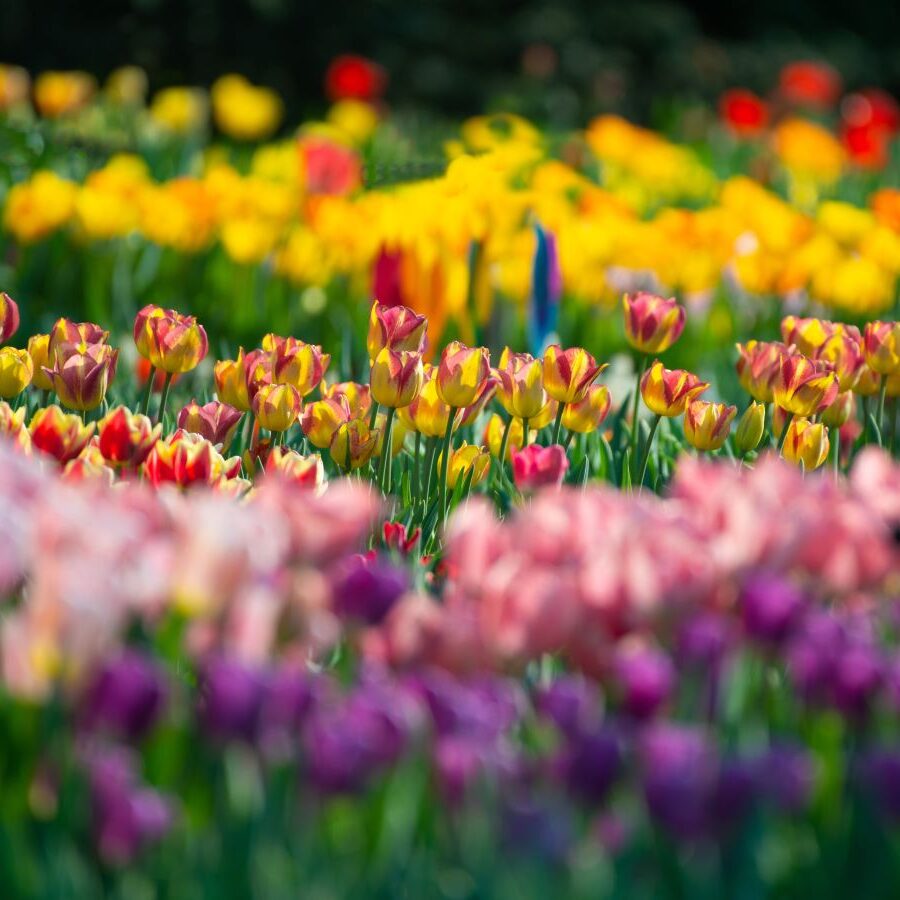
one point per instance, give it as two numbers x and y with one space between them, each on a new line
536 466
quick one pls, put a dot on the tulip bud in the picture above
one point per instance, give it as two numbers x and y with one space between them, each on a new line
750 429
569 373
396 538
668 392
16 370
9 317
839 411
881 342
231 382
304 471
217 422
466 457
493 436
39 351
462 373
806 443
276 406
395 328
126 438
171 341
321 419
652 323
353 444
588 414
396 377
537 466
82 379
297 363
358 397
706 425
520 387
59 434
804 387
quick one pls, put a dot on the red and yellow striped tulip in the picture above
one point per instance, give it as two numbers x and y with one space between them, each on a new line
277 406
464 458
520 384
652 323
805 387
353 444
668 392
9 317
806 443
321 419
126 438
462 373
758 367
588 414
296 363
231 382
303 471
881 341
395 328
569 373
396 377
172 342
58 434
215 421
81 379
706 424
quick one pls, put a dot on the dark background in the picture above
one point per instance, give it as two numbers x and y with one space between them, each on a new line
463 56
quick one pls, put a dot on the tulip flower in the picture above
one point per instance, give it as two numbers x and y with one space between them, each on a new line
803 387
750 428
706 425
259 371
462 373
395 537
12 427
81 381
353 444
321 419
427 414
395 328
466 458
126 438
276 406
588 414
759 367
844 352
536 466
652 323
66 333
16 370
806 443
396 377
231 382
502 438
668 392
303 471
568 374
807 335
297 363
89 465
520 387
186 459
868 384
9 317
39 351
358 397
215 421
471 412
881 342
837 414
61 435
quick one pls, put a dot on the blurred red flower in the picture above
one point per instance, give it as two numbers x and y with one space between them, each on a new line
744 112
813 84
354 77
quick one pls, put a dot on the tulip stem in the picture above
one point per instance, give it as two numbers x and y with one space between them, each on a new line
417 464
784 433
384 478
836 450
881 423
445 463
504 441
645 457
524 431
148 390
429 466
164 397
634 407
557 425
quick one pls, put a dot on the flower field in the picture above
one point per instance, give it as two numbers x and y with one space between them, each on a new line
468 510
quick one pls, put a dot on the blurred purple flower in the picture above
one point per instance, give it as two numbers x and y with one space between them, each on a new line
367 589
231 697
704 639
571 702
786 777
772 607
646 677
590 764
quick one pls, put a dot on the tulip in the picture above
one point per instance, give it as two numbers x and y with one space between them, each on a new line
803 387
839 411
501 438
172 342
396 377
89 465
66 333
353 444
569 373
706 425
321 419
759 367
39 351
536 466
276 406
215 421
750 428
358 397
668 392
187 459
461 374
231 382
646 677
588 414
807 335
304 471
297 363
396 538
470 413
259 372
126 438
466 458
367 589
81 381
12 427
395 328
59 434
427 414
844 351
9 317
652 324
806 443
868 384
520 387
16 370
881 342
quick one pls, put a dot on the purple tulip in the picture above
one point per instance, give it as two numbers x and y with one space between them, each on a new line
572 703
590 765
856 678
772 607
704 640
367 589
458 763
880 774
646 676
231 697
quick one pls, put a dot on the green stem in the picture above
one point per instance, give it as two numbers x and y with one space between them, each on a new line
164 397
881 423
417 465
836 450
384 479
445 464
557 426
504 441
429 466
645 458
524 432
634 407
784 433
148 390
